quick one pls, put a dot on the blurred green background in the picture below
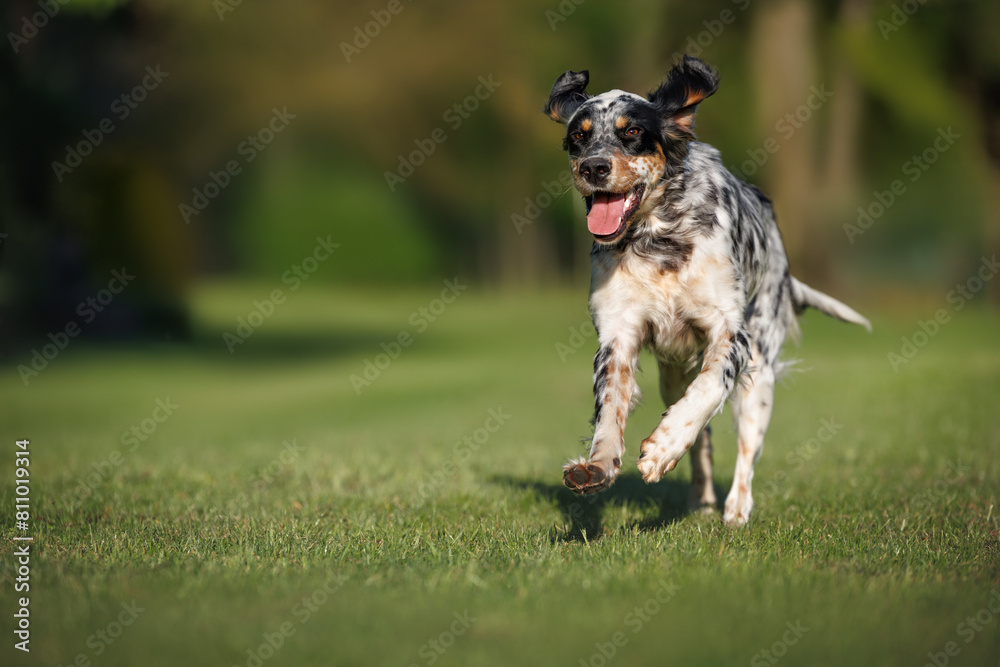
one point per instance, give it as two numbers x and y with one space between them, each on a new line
223 154
822 104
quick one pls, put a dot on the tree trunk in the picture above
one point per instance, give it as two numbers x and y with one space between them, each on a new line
783 67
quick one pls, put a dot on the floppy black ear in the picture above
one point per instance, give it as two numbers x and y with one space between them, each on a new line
688 83
568 93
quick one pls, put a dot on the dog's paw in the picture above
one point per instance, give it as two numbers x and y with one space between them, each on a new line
738 508
581 476
653 466
697 506
701 499
656 460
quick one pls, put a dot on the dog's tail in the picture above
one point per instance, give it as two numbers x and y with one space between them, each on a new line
804 297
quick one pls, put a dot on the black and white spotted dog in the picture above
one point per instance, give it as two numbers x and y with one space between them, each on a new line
688 262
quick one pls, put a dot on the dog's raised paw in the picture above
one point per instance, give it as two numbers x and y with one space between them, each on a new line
653 465
583 477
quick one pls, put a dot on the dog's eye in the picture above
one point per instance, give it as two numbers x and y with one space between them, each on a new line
578 136
632 132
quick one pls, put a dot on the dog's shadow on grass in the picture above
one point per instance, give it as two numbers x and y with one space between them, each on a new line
584 513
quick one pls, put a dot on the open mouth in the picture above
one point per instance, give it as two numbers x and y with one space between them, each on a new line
608 212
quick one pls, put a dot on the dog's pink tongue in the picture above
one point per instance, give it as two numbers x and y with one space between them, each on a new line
605 213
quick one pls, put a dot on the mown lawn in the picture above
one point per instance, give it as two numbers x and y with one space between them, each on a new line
281 505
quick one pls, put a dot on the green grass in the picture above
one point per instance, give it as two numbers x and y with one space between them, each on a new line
874 542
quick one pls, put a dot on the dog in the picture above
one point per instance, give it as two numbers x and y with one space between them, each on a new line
688 262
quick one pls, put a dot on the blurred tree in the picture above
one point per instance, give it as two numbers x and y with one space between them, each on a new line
785 75
86 193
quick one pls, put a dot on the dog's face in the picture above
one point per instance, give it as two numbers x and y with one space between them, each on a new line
621 145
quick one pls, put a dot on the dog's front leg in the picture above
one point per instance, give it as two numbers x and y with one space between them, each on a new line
614 385
725 358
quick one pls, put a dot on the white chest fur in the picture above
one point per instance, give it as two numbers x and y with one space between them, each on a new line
635 303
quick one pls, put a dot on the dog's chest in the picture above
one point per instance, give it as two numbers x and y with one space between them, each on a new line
635 301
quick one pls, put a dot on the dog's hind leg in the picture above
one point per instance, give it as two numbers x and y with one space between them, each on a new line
752 402
673 382
702 495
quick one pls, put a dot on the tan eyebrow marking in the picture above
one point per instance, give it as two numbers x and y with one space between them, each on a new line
586 125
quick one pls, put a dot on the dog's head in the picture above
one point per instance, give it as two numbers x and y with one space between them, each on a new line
622 145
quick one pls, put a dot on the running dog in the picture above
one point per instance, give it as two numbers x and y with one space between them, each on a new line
687 261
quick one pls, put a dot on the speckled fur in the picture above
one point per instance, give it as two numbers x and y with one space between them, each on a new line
697 274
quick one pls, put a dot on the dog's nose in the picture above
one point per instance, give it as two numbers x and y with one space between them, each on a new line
595 170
